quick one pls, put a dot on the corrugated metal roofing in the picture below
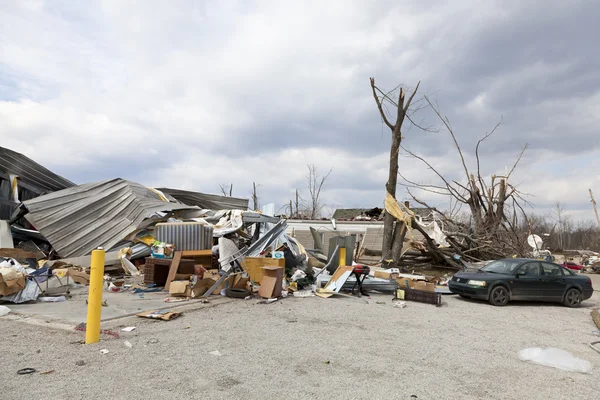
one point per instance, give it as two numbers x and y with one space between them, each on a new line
208 201
77 220
31 172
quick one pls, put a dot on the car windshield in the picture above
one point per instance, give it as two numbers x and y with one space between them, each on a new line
501 266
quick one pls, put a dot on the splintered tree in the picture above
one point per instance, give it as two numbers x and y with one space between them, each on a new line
393 230
493 202
255 204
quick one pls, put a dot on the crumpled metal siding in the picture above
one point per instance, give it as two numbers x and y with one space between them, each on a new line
207 201
78 220
31 172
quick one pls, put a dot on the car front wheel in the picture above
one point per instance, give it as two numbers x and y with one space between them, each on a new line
572 298
499 296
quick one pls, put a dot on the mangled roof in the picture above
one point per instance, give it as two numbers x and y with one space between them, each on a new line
79 219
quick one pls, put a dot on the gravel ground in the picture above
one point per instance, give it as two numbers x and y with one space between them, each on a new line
298 348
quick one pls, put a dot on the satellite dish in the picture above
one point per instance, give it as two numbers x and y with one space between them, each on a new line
535 242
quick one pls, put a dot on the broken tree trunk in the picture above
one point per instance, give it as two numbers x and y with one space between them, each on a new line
391 234
432 249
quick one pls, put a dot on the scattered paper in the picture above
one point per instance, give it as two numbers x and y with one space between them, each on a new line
216 353
165 315
128 344
128 329
57 299
104 351
400 304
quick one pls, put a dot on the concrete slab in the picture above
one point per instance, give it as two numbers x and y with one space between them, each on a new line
120 305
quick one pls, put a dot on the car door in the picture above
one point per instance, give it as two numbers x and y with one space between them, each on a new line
527 284
554 281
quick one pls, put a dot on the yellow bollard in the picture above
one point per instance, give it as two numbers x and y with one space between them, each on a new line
342 253
92 331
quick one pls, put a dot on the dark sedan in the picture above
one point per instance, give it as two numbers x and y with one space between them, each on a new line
523 279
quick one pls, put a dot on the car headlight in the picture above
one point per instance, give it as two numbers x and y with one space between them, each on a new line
476 283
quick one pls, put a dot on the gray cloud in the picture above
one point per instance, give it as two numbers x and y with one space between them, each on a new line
194 94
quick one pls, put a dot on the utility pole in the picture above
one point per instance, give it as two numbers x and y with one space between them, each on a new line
595 209
297 203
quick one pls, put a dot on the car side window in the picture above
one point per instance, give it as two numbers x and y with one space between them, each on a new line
529 269
551 270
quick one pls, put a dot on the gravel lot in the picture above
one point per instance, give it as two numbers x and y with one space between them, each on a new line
337 348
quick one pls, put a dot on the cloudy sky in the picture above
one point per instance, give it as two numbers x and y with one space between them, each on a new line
193 94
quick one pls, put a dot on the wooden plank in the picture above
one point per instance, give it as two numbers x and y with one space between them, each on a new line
174 268
18 254
196 253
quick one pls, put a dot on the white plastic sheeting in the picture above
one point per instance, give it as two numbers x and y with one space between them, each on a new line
434 231
556 358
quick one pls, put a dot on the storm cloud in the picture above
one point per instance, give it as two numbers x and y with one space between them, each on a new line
194 94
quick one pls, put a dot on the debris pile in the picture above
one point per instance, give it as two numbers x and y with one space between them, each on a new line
184 244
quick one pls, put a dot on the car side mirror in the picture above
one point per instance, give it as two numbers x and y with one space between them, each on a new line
517 275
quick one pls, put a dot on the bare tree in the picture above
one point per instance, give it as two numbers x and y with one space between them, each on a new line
393 231
560 227
225 190
594 205
314 204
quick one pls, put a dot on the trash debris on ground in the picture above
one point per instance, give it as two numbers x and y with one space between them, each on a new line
80 363
215 353
187 246
26 371
165 315
304 293
399 304
176 299
104 351
47 372
556 358
128 344
4 311
57 299
82 327
128 329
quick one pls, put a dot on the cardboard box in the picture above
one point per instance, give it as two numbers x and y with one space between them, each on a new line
272 282
202 286
210 277
404 283
12 286
75 274
254 266
391 273
424 286
240 282
180 289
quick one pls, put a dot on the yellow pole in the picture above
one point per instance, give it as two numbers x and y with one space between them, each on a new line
92 331
342 256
